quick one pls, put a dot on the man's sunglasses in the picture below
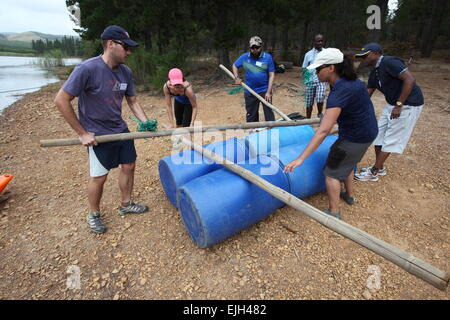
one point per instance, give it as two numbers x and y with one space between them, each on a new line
321 67
124 45
255 47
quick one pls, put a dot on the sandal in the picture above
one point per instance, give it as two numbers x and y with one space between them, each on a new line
336 215
346 198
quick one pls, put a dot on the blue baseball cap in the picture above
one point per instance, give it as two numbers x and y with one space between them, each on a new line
118 33
370 47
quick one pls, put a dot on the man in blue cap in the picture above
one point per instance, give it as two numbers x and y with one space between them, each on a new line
259 76
101 83
398 119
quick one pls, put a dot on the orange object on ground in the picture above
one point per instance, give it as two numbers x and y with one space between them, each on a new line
4 179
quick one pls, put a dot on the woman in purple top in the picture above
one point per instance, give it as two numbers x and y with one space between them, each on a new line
185 103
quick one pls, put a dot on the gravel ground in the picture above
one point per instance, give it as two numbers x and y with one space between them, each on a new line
286 256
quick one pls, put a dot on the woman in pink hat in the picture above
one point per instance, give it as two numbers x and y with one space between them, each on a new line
185 103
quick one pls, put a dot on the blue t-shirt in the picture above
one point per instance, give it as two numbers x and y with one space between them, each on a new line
100 91
357 121
256 70
385 78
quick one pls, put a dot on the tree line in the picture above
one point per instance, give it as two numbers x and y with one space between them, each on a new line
170 31
69 46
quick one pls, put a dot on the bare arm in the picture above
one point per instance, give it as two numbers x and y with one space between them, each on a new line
370 91
326 125
268 96
238 80
408 85
136 108
169 109
63 102
190 94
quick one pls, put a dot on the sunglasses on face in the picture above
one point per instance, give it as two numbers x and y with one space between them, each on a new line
255 47
124 45
321 67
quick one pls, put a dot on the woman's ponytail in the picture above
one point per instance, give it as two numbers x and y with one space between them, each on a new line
345 68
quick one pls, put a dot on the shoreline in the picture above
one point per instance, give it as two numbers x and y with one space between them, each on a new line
61 73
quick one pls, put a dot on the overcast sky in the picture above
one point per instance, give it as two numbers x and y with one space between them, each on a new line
46 16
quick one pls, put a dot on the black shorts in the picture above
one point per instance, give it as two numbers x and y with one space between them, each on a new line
183 113
106 156
343 157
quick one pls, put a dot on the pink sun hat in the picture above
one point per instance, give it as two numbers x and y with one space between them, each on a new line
175 76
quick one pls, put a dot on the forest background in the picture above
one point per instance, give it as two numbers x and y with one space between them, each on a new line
176 33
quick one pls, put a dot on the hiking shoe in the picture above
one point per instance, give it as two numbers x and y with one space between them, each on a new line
132 208
346 198
95 222
381 172
336 215
366 176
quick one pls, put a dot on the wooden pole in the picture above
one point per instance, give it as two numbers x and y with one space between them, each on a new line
271 106
401 258
179 131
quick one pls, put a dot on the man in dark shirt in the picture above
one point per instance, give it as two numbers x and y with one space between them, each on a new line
405 101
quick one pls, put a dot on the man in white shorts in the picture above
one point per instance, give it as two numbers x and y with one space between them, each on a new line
399 117
101 84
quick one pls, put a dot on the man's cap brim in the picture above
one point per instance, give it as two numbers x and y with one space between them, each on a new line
362 54
130 42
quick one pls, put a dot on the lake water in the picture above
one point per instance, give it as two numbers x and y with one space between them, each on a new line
21 75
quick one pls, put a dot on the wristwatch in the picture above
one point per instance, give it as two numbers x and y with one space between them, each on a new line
399 104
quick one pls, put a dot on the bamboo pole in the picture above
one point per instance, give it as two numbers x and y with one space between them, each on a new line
178 131
401 258
271 106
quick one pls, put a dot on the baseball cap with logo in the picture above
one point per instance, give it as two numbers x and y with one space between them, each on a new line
370 47
175 76
327 56
255 41
118 33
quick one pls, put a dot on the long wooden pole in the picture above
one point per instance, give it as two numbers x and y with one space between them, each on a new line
401 258
142 135
271 106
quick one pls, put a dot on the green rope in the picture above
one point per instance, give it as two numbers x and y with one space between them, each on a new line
149 125
307 74
235 90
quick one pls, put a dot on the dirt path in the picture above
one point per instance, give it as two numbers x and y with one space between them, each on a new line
286 256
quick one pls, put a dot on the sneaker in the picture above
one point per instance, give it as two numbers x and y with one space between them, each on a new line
132 208
95 222
349 200
381 172
366 176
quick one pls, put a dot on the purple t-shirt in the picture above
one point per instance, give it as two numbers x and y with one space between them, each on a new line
100 91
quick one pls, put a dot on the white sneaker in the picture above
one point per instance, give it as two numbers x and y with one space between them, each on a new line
366 176
381 172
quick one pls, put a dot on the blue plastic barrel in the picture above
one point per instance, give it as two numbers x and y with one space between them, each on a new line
177 169
219 204
263 142
308 178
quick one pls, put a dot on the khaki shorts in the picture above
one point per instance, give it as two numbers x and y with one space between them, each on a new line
394 134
